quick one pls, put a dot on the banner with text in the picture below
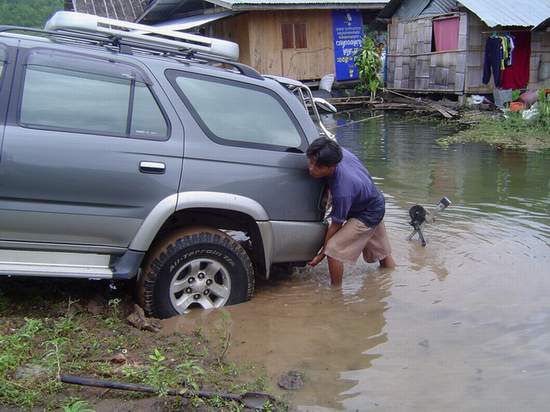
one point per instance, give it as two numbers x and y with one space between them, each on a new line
347 27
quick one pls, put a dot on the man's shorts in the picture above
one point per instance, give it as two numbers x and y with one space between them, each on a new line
355 238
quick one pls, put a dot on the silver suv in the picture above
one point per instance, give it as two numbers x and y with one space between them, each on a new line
124 158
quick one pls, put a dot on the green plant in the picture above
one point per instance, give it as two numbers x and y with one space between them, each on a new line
224 337
114 304
369 63
78 405
543 119
189 371
268 406
55 345
155 373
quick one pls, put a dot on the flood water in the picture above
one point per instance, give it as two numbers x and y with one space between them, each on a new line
461 325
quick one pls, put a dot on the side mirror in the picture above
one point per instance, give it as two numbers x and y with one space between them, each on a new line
324 105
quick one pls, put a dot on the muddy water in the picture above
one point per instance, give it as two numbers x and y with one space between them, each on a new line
461 325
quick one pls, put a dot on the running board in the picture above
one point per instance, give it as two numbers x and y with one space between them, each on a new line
55 264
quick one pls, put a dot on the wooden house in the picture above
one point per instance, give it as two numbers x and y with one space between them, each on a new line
440 45
300 39
290 38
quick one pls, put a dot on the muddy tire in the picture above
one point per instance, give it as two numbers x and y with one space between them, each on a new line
194 268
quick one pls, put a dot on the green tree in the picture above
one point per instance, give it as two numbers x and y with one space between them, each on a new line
369 63
29 13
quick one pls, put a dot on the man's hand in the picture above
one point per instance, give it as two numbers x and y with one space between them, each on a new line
316 260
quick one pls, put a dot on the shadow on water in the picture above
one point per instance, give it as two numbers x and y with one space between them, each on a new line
461 325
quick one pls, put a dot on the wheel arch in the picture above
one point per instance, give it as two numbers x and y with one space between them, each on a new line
211 209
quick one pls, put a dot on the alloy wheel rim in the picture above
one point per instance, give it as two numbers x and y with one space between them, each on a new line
203 282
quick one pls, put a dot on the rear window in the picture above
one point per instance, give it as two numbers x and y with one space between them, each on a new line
239 114
73 99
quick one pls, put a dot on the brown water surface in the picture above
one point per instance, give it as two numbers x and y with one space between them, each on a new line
461 325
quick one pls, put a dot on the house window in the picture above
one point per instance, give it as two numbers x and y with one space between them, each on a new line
287 30
294 35
445 34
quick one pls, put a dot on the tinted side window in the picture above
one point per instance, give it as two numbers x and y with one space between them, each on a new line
65 99
237 113
3 57
147 119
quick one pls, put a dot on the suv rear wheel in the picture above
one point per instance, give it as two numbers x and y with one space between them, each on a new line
195 268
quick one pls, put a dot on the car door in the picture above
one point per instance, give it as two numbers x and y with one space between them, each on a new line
8 50
247 141
90 147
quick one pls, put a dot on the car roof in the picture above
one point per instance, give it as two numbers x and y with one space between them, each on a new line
152 59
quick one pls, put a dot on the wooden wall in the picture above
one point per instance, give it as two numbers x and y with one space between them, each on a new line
478 32
261 45
236 29
475 59
540 56
412 66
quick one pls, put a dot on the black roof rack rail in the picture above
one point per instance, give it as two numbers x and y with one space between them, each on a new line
126 46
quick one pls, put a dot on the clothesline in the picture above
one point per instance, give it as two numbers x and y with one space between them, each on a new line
506 31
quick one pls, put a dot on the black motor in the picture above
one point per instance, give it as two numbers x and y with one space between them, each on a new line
419 216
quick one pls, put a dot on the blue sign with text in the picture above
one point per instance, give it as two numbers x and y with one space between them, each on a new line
347 27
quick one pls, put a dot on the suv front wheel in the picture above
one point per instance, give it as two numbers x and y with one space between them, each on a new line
195 268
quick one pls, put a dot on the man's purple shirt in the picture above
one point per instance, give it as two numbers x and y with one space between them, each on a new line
354 194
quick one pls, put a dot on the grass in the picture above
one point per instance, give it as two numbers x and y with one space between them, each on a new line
56 335
509 131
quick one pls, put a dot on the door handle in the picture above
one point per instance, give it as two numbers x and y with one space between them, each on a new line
152 167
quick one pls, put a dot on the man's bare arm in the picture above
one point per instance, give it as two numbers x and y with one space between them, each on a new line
332 229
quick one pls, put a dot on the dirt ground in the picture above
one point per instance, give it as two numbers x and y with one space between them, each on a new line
54 327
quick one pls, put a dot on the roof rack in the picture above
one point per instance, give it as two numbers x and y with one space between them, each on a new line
67 20
125 44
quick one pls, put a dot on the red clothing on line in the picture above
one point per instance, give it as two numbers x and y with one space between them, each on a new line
517 75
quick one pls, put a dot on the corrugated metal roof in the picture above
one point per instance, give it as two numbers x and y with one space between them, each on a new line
306 4
493 12
440 7
509 12
411 8
159 10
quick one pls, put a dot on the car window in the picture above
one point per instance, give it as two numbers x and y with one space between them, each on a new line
74 100
65 99
3 57
241 114
147 119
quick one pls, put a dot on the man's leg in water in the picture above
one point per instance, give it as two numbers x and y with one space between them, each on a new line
387 262
336 269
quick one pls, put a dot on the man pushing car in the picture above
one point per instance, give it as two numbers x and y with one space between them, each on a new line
358 209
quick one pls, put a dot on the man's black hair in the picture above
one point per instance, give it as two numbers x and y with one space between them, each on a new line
325 152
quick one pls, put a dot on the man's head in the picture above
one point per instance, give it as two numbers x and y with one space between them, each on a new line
323 156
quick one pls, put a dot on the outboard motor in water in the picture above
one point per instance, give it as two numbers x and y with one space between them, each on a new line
419 216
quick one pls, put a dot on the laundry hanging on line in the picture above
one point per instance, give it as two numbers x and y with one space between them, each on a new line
499 51
507 59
